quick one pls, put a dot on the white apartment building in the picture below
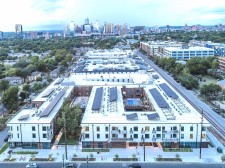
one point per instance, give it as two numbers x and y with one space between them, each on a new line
125 106
187 53
34 128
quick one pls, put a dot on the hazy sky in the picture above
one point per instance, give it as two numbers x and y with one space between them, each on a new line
54 14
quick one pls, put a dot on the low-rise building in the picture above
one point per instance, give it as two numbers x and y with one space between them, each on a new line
34 76
188 52
14 80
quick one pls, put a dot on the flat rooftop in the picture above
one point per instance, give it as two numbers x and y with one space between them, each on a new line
189 49
178 110
46 112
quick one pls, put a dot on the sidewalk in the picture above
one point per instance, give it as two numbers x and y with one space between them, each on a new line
209 155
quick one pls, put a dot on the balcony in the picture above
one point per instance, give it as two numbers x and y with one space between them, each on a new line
170 139
153 139
122 132
121 139
154 131
115 132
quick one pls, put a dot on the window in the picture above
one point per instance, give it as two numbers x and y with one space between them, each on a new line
163 135
158 128
135 128
11 128
174 128
124 135
163 128
158 136
44 135
203 128
174 135
182 136
106 136
17 128
86 128
98 128
86 136
146 136
124 128
33 128
100 144
191 136
135 135
147 128
44 128
106 128
191 128
18 135
98 136
182 128
33 135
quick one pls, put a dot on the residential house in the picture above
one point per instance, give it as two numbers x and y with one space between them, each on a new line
14 80
34 76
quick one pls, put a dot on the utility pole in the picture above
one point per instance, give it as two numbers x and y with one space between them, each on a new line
63 161
200 145
64 117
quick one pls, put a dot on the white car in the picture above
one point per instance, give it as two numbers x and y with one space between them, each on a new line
32 165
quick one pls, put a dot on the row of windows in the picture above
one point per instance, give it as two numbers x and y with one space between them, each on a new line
43 135
33 128
147 136
147 128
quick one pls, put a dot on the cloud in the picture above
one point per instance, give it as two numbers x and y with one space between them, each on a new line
39 13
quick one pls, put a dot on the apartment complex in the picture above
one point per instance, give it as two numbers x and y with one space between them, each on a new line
35 128
124 105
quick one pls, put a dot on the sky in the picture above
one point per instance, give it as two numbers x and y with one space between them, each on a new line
55 14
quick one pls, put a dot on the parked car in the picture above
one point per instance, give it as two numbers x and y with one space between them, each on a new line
70 165
6 138
32 165
134 165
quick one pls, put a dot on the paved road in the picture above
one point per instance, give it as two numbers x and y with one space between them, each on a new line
3 134
117 165
208 112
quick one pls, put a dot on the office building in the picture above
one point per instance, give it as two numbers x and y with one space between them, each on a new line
19 30
187 53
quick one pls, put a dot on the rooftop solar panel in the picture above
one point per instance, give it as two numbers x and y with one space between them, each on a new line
51 106
59 81
158 98
132 116
113 94
23 117
48 92
169 92
98 99
153 116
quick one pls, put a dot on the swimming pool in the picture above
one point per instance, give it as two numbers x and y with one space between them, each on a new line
133 102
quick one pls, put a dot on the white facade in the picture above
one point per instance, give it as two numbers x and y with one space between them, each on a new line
33 128
187 53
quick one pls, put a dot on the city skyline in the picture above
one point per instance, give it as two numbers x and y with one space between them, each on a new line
55 14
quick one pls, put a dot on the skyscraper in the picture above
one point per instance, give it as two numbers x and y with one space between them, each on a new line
86 21
19 30
72 28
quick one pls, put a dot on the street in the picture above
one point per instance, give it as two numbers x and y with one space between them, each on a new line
3 134
117 165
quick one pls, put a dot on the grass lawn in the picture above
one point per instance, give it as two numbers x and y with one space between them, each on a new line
208 79
70 140
4 148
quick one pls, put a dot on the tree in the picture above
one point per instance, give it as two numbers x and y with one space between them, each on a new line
4 85
26 88
10 98
72 118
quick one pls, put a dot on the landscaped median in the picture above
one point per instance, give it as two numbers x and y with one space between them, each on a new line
175 159
117 158
95 150
4 148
